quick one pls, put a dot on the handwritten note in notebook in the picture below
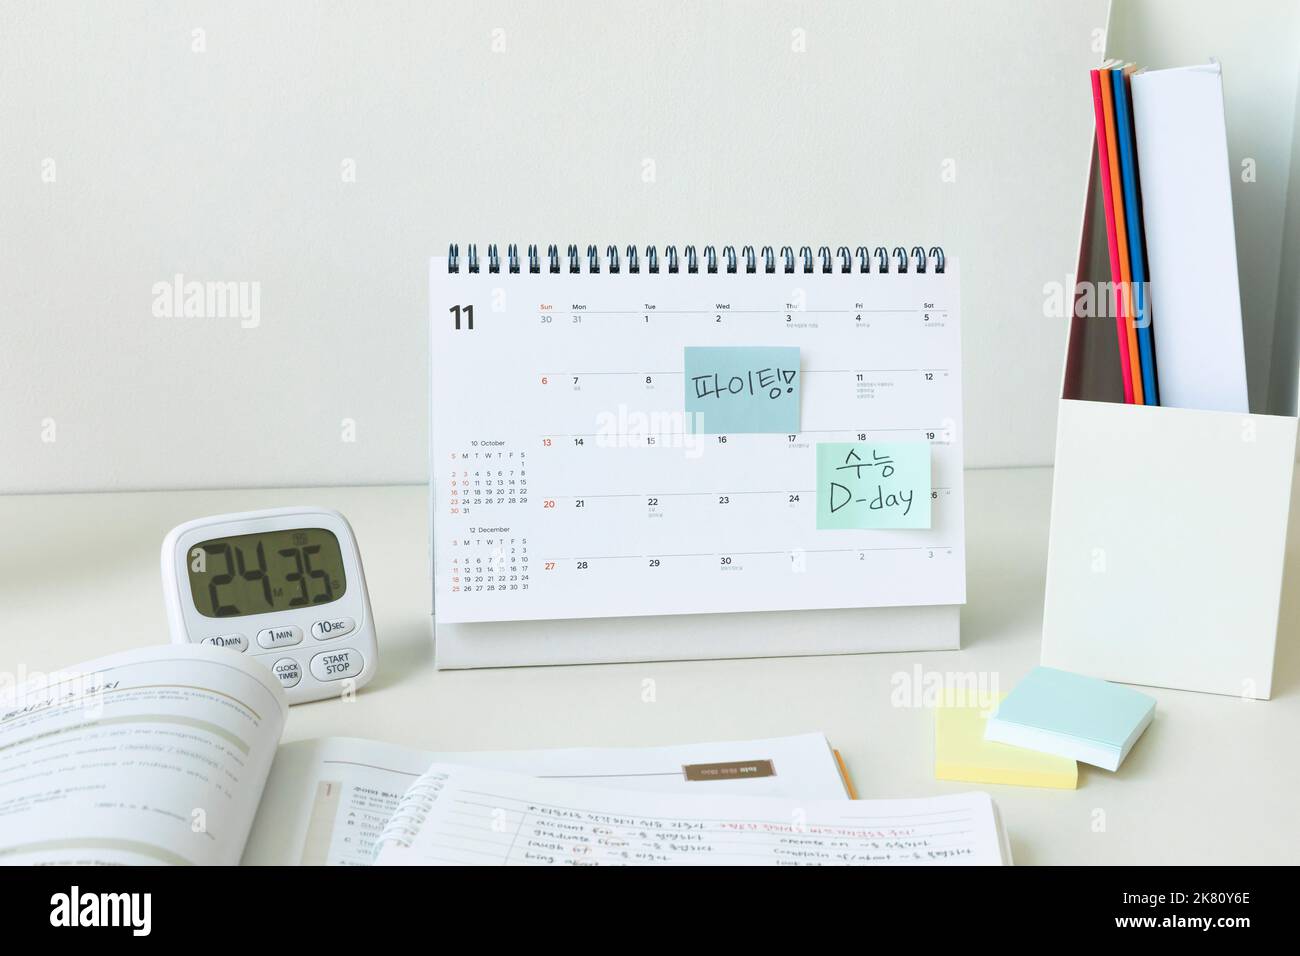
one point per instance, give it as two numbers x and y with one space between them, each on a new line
742 389
866 485
462 815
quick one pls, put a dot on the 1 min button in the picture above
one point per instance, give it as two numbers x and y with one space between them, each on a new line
285 636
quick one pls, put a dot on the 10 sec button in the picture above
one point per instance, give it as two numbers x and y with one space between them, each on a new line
335 627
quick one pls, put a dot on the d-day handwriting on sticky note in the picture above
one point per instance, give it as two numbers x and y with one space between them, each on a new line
742 388
873 485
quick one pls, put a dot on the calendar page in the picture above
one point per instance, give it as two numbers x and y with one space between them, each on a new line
681 443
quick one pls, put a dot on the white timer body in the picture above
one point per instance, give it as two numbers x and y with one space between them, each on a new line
283 585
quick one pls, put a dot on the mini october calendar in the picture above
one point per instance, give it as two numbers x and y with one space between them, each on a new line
622 434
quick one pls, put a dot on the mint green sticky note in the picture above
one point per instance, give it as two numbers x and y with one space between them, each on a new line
873 485
1072 715
742 388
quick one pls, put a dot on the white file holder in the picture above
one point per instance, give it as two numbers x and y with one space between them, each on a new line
1168 524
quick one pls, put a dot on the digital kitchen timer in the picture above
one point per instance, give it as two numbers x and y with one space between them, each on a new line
283 585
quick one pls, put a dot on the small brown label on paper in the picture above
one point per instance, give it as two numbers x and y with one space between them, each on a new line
732 770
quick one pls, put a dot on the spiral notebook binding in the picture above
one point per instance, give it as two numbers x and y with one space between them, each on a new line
404 825
898 260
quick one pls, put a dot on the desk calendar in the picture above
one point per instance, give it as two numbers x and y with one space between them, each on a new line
616 436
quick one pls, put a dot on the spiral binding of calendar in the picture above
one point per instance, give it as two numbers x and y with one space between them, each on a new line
843 260
410 815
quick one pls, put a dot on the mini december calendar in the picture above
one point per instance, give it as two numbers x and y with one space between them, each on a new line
626 435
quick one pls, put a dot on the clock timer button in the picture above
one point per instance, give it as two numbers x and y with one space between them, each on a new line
288 672
279 636
236 642
335 627
336 665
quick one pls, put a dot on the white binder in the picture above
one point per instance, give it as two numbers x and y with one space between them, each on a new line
1182 148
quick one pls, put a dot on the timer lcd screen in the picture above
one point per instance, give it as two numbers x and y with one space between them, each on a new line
261 573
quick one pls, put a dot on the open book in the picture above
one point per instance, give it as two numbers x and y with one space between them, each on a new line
457 815
171 754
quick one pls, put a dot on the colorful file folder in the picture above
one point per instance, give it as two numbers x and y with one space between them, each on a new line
1133 227
1106 168
1117 232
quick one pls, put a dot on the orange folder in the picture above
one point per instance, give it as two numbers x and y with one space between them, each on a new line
1118 234
1126 358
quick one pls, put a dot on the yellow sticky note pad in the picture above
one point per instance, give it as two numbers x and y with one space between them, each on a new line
962 753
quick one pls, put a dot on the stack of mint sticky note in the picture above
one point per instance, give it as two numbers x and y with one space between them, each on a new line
1070 715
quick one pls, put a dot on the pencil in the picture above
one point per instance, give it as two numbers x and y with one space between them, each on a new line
844 774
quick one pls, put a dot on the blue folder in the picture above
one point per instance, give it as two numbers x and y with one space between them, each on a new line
1133 224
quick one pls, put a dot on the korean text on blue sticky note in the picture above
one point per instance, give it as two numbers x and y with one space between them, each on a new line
743 388
873 485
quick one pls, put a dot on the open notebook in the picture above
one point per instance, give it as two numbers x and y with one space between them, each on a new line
457 815
327 800
170 754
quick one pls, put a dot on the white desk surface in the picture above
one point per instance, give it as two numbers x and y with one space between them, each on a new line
1213 780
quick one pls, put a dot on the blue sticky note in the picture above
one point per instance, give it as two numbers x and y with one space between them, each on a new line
872 485
1072 715
742 388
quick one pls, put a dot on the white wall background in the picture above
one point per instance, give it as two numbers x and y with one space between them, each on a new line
1286 342
127 156
1258 43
